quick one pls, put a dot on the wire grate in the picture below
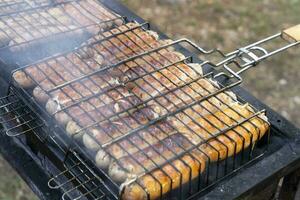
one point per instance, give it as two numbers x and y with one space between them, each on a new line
77 175
76 179
146 115
76 17
17 118
13 6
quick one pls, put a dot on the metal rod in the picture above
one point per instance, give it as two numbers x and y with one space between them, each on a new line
255 44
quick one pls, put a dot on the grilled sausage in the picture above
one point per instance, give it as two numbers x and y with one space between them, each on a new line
29 76
95 108
171 176
155 155
141 140
117 127
74 130
139 36
146 64
54 71
107 131
68 95
75 63
89 12
185 90
89 86
206 107
42 71
56 79
232 141
122 42
158 132
181 119
64 71
22 79
168 78
223 146
186 130
54 67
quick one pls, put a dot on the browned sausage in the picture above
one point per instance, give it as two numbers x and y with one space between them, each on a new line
148 158
88 12
75 63
100 80
181 119
142 139
74 98
97 108
121 125
164 88
204 126
223 146
182 170
68 95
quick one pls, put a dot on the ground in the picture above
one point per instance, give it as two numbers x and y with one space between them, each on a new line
12 187
224 24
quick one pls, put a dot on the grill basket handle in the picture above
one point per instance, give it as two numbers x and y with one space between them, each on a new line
292 34
249 56
244 58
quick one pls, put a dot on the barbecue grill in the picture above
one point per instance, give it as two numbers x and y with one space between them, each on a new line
67 156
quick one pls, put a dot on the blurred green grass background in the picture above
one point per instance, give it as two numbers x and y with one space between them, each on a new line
12 187
225 24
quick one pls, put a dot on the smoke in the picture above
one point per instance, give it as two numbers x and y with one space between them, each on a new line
47 28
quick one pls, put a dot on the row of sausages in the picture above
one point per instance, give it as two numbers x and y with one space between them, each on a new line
148 119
